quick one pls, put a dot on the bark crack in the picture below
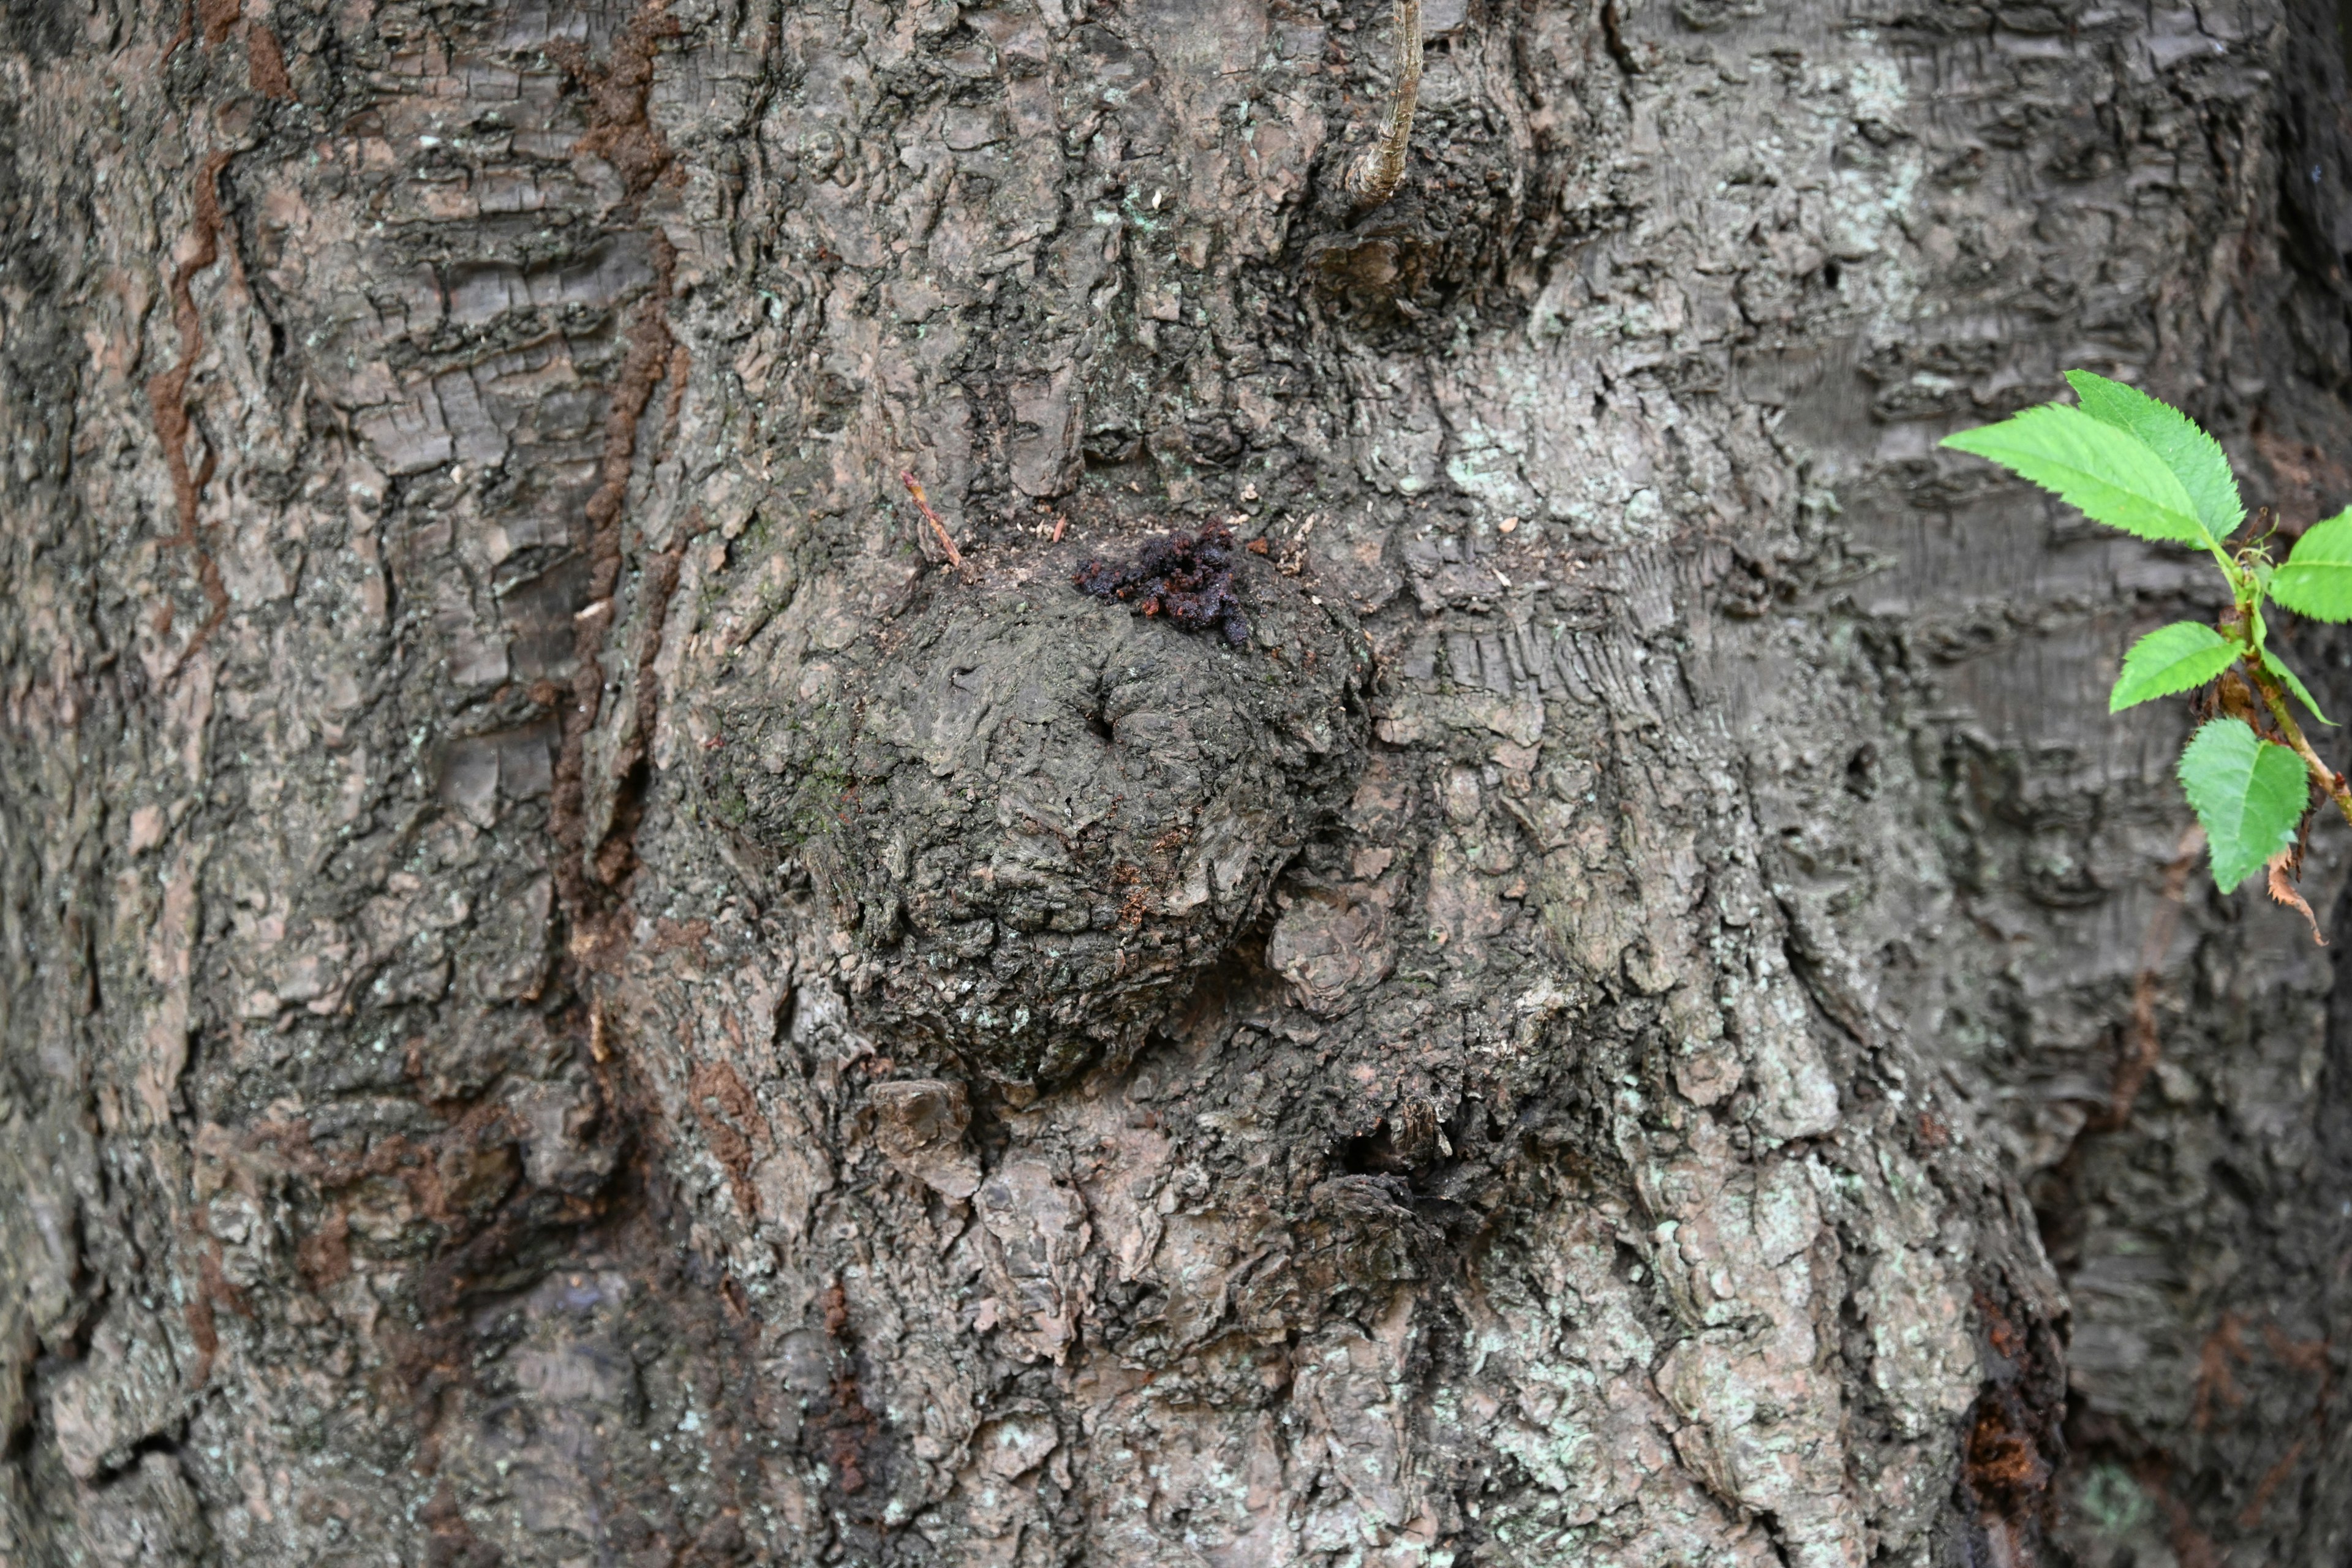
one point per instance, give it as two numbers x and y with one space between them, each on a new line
167 394
621 131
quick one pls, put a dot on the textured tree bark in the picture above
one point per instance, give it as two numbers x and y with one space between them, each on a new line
572 992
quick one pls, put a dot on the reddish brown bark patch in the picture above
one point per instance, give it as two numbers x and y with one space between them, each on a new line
265 64
2015 1439
620 132
850 1433
324 1256
216 17
732 1128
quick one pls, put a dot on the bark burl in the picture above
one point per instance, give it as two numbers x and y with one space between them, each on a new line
571 992
1040 815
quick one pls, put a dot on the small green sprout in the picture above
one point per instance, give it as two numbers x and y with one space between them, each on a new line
2122 458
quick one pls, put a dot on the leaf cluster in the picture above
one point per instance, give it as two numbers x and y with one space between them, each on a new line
2122 458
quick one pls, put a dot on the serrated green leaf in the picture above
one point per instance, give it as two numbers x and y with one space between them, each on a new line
2247 792
2287 678
2182 657
2316 580
2107 474
2195 458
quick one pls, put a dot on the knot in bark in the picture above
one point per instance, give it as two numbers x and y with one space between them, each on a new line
1041 813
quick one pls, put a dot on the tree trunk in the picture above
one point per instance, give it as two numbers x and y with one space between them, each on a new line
575 991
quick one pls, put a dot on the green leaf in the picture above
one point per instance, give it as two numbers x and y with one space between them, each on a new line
2106 473
2182 657
2195 458
2247 792
2288 678
2316 580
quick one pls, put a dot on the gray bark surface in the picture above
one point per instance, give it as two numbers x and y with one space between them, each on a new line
573 992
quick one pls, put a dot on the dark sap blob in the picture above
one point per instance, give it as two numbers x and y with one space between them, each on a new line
1187 577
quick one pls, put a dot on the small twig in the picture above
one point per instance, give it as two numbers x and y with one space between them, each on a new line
1376 175
915 488
2274 698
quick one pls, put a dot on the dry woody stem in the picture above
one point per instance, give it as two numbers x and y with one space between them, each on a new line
2328 778
1376 174
915 488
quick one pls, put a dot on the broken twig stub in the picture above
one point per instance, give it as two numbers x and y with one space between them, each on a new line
947 542
1380 169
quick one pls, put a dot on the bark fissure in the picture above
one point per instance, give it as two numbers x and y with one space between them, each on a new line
167 393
